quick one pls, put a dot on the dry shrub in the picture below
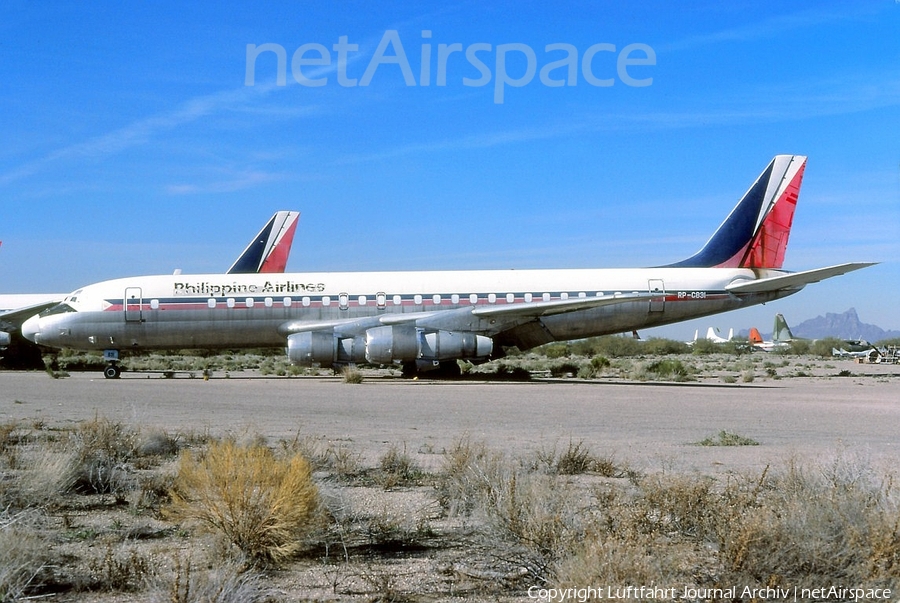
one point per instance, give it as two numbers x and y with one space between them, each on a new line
533 521
396 468
104 448
576 459
335 458
603 558
528 520
24 555
123 569
838 522
188 583
352 375
262 504
43 476
469 471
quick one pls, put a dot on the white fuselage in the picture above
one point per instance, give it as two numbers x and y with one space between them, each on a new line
254 310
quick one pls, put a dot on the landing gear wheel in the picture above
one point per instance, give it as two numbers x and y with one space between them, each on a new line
112 371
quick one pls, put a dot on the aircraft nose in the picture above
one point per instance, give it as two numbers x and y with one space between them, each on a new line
31 329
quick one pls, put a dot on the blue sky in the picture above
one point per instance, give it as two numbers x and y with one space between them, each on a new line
131 143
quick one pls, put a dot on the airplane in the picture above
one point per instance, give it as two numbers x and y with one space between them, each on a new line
782 338
711 335
267 253
427 320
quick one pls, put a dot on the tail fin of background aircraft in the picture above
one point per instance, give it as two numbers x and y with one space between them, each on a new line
269 250
782 331
755 233
755 337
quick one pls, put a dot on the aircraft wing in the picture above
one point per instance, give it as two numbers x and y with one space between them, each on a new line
459 318
795 280
560 306
17 316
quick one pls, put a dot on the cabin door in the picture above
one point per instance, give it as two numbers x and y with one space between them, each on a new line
656 286
133 304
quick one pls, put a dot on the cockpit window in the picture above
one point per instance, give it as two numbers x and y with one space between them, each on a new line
58 309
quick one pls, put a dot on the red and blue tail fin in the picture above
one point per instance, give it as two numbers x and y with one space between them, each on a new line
755 233
269 250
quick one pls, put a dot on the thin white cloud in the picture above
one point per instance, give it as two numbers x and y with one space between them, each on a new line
766 28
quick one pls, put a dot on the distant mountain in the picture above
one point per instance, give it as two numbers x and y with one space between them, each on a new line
842 326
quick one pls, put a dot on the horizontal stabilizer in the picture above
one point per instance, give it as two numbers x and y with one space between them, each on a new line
795 280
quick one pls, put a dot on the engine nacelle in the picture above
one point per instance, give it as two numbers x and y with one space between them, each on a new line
405 343
324 348
312 347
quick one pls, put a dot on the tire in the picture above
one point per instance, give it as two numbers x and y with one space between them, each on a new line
112 371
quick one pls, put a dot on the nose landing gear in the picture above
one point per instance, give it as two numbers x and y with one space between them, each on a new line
112 370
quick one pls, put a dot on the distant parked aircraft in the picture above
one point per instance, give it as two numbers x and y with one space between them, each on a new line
267 252
712 335
423 319
782 338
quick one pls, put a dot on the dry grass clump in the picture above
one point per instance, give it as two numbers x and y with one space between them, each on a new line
727 438
527 519
576 459
396 468
351 374
24 555
188 583
838 522
262 504
335 458
805 525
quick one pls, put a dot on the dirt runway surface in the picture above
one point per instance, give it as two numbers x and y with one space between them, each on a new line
649 426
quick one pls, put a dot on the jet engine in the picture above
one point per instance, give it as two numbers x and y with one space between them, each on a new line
385 345
406 342
324 348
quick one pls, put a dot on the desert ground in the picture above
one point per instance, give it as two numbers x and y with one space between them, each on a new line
837 409
651 424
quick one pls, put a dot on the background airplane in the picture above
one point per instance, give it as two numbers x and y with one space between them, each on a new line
423 319
712 335
782 337
267 252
